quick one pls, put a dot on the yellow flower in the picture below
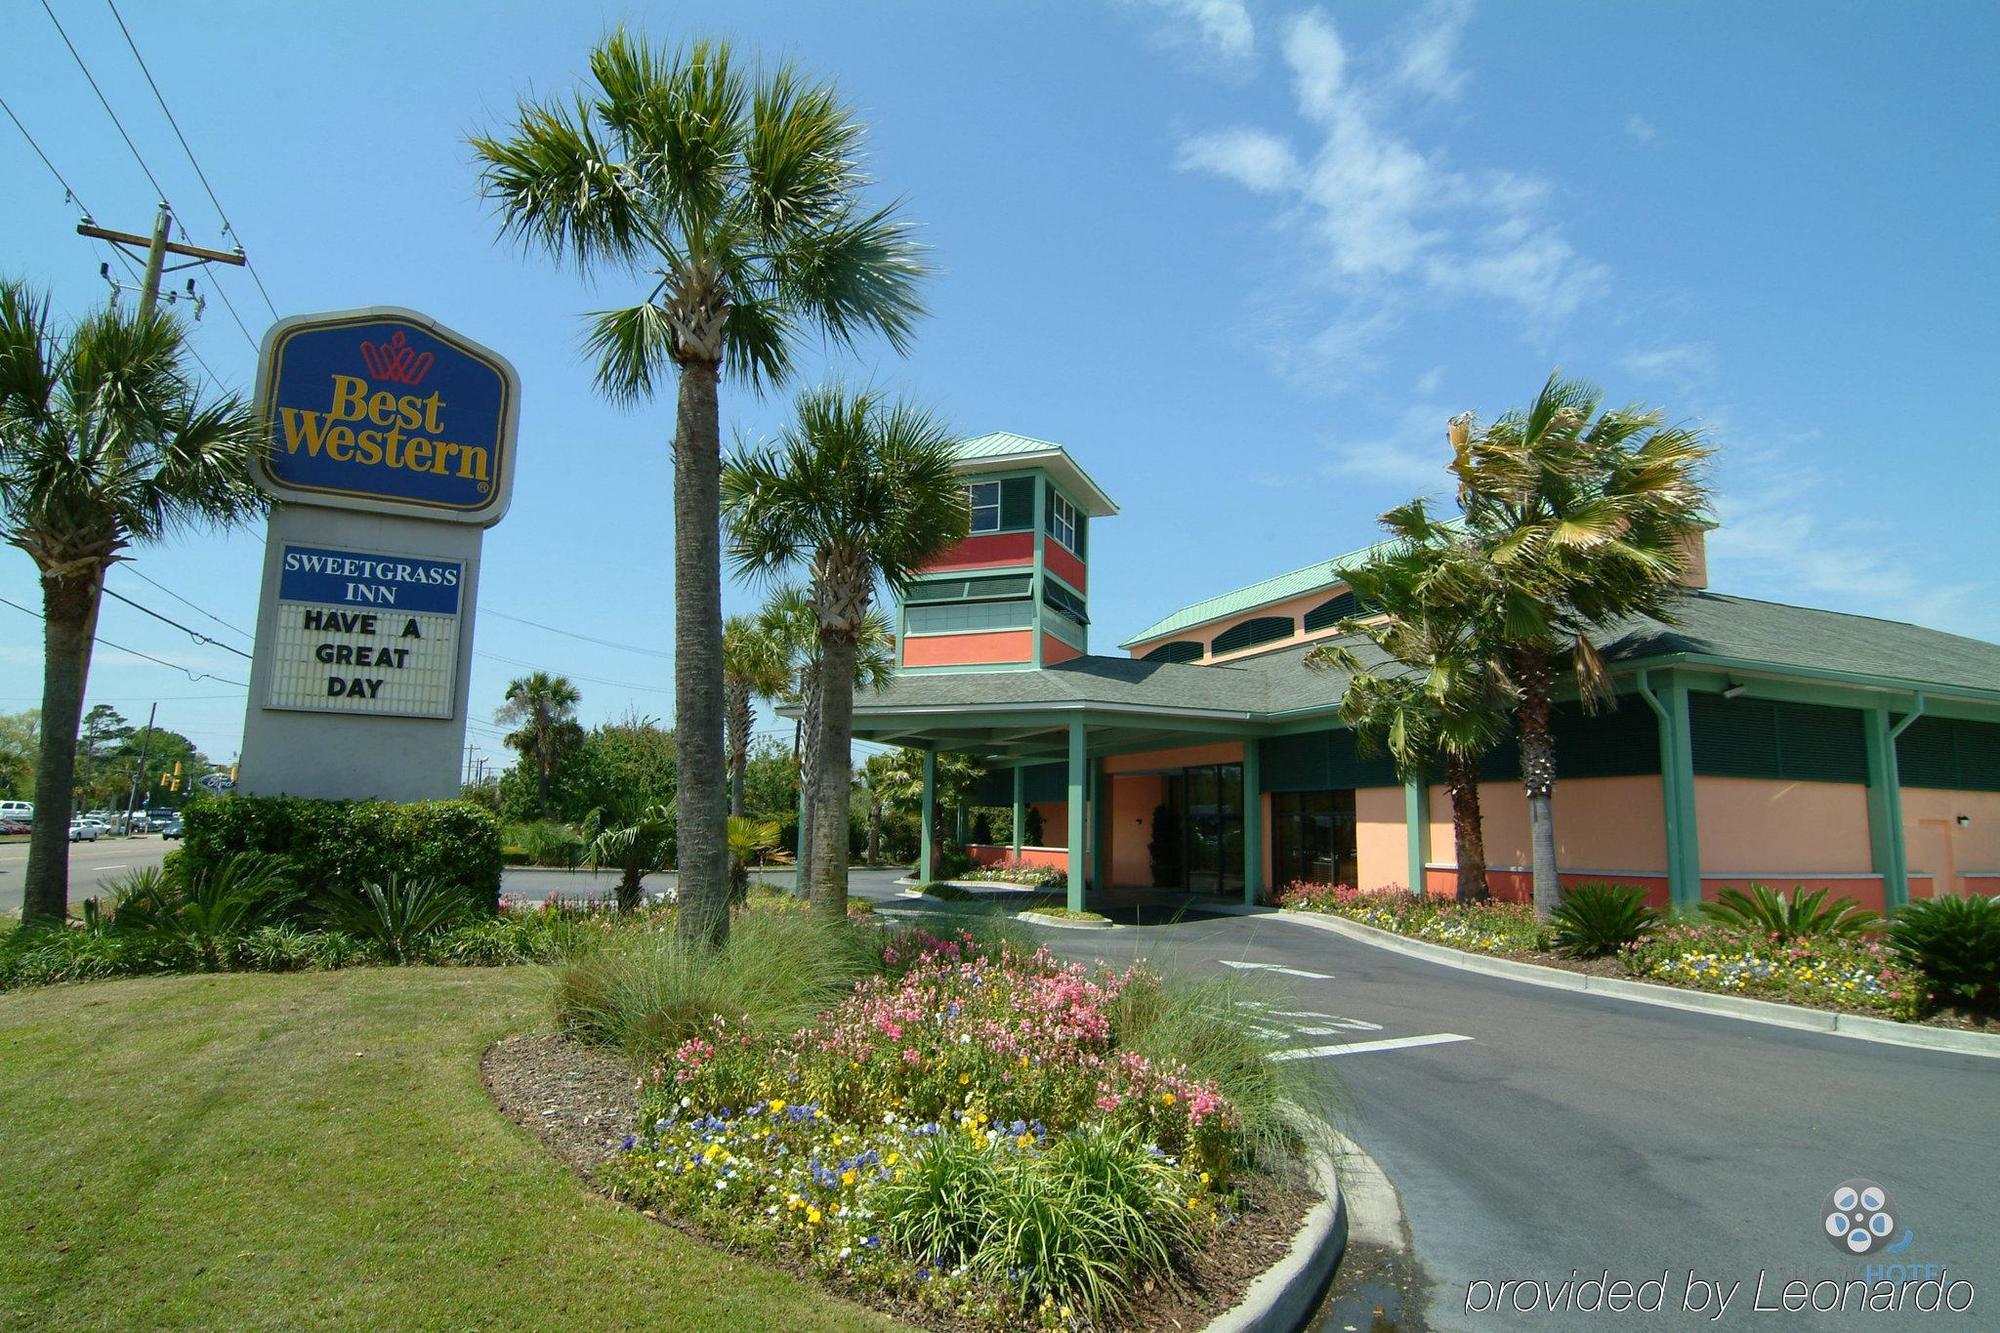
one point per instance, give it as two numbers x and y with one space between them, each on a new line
964 1079
1204 1177
1026 1140
1024 1062
847 1177
777 1105
1166 1099
813 1216
892 1157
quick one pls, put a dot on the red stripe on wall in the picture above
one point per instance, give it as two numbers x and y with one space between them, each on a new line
1054 650
987 551
1012 645
1063 565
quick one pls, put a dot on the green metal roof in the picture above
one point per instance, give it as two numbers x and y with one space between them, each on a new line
1003 449
1319 574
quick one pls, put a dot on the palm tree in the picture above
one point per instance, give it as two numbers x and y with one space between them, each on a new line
1435 693
788 617
633 838
878 777
754 666
542 710
106 442
858 490
737 194
1583 516
748 839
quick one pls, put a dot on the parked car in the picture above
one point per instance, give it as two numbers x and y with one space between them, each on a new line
85 829
171 828
14 828
17 812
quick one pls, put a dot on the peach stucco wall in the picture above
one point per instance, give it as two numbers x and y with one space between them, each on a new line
1132 800
1764 826
1007 645
1054 650
1601 824
1381 851
1936 844
1295 607
1222 752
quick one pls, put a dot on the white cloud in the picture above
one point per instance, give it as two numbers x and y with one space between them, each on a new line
1396 221
1220 26
1428 382
1252 158
1682 363
1429 63
1775 543
1411 457
1640 129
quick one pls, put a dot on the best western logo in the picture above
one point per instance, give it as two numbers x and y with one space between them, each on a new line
389 430
372 410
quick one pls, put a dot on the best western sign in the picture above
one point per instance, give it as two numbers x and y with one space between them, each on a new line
388 451
388 411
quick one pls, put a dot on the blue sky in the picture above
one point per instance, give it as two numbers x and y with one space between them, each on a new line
1243 259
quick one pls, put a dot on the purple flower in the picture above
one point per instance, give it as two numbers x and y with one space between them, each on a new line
630 1139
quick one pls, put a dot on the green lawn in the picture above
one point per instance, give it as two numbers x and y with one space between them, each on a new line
254 1150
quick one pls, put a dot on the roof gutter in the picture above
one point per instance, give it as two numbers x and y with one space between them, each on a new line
1780 671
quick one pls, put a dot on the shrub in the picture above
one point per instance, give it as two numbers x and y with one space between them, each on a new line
1597 920
1789 916
290 949
1011 871
1810 969
347 844
547 843
398 915
1955 943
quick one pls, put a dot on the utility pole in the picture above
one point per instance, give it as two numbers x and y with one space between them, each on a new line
468 763
139 773
157 247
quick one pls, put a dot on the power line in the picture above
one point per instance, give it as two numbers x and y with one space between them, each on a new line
595 680
196 635
105 102
61 180
586 638
191 675
190 605
228 228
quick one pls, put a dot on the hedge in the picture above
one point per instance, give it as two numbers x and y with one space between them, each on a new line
350 843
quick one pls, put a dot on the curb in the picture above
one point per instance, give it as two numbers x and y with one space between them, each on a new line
1770 1013
1063 923
1286 1294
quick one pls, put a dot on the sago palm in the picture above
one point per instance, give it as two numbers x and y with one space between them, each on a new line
542 710
754 666
858 491
633 837
106 442
736 195
1583 515
1432 692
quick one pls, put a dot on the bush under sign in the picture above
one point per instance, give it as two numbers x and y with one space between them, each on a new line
366 632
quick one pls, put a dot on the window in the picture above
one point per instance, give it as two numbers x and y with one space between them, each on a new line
1179 650
1341 606
1065 601
985 500
1063 522
985 589
1312 838
958 617
1250 633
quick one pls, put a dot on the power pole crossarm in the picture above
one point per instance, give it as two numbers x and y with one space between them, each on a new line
170 247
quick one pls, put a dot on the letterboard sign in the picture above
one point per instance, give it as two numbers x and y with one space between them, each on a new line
366 632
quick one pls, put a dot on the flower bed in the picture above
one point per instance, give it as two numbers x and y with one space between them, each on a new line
964 1135
1822 971
1025 873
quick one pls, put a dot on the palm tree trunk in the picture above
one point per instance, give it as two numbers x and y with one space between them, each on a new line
1468 832
700 803
630 889
874 831
810 705
736 734
542 787
1538 775
69 610
833 774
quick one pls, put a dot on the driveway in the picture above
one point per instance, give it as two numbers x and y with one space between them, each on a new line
1547 1136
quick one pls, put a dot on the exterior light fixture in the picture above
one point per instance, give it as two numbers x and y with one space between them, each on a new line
1965 821
1733 691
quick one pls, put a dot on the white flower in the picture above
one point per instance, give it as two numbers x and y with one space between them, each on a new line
686 1102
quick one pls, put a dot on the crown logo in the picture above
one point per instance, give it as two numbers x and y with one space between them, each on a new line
397 360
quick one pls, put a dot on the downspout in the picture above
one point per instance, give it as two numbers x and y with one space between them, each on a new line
1677 801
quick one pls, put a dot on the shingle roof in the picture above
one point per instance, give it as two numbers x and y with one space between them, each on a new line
998 449
1711 625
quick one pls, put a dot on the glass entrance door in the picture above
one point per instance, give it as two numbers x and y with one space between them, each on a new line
1214 823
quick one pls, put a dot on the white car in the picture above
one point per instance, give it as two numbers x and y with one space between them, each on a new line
85 829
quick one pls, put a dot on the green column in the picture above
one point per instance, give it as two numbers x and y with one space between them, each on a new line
1079 773
1677 796
1417 831
1020 807
1101 827
958 833
926 854
1253 823
1885 809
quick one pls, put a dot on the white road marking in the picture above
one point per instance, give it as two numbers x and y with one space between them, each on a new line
1361 1047
1341 1025
114 867
1273 967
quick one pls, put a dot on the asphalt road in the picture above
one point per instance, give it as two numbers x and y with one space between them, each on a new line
1535 1134
92 865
